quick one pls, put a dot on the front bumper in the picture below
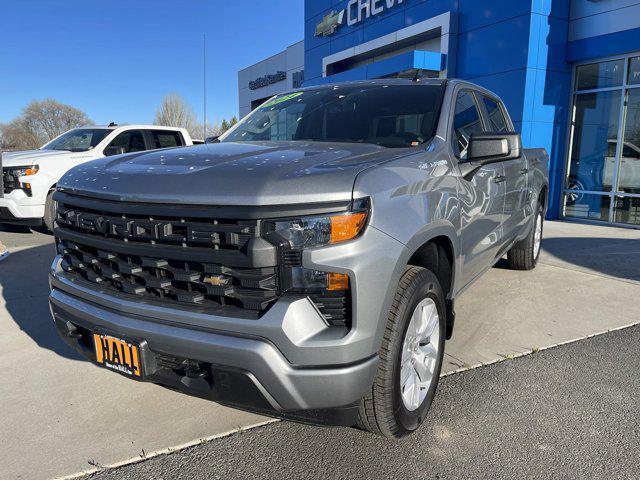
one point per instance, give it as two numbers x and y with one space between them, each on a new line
288 363
19 209
242 371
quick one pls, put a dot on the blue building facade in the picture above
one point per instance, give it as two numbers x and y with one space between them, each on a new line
555 63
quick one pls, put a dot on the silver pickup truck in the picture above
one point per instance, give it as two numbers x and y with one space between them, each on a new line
306 266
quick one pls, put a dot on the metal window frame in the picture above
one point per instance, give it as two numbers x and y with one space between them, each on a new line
624 88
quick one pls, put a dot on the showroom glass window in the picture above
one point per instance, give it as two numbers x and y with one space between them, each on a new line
603 173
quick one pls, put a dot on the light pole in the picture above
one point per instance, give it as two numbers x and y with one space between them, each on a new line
204 84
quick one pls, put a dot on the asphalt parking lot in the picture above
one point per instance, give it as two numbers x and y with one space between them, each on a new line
516 419
62 416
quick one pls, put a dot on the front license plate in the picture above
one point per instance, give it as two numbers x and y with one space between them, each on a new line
117 354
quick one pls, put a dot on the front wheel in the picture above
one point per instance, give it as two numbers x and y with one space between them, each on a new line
49 212
410 358
525 253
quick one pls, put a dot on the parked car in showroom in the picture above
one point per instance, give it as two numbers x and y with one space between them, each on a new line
307 265
28 178
597 172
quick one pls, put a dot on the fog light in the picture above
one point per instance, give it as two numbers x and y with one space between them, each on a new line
338 281
309 280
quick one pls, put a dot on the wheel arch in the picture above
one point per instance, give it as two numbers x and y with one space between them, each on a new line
437 255
543 197
436 249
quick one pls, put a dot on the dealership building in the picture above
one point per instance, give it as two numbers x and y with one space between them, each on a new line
568 71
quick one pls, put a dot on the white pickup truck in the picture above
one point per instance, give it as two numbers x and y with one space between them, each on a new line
28 178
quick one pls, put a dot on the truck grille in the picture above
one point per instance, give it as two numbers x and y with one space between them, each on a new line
157 230
197 261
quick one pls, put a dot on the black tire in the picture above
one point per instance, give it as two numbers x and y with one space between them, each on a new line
522 255
49 212
382 410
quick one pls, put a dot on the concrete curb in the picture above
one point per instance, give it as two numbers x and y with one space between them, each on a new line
536 350
164 451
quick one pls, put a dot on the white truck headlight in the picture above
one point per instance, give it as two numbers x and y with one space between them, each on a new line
26 171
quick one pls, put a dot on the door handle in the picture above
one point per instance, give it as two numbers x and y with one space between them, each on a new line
524 171
499 179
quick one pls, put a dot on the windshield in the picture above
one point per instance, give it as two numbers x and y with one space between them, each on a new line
78 140
395 116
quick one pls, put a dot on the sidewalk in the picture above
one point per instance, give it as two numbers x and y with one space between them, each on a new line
587 282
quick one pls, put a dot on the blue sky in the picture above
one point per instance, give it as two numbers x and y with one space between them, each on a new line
116 59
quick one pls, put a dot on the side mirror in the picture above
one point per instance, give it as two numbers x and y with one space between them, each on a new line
113 150
486 148
489 147
213 139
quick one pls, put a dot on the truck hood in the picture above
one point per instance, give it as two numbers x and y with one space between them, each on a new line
32 157
252 173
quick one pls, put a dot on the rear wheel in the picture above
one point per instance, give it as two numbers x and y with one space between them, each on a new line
410 358
524 254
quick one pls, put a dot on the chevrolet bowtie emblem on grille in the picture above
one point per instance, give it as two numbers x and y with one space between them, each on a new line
330 23
217 280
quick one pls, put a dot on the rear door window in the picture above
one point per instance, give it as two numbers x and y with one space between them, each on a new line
167 139
495 116
130 141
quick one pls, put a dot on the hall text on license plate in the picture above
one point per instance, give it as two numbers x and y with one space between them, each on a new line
117 354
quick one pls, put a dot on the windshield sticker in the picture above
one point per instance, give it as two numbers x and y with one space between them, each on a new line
281 99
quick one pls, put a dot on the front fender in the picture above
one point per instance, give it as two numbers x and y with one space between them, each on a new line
441 228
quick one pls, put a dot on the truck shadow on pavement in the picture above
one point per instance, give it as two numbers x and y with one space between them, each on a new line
614 257
25 288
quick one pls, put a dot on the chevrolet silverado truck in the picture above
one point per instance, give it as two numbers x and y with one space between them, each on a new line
28 178
307 265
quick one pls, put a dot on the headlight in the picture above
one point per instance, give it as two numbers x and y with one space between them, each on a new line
23 171
314 231
329 291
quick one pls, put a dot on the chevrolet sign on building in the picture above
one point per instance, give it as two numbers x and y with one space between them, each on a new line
356 12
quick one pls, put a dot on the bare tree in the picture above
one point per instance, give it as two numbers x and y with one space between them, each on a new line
176 112
213 129
40 122
216 128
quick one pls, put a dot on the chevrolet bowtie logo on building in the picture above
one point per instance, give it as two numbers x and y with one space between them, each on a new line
330 23
355 12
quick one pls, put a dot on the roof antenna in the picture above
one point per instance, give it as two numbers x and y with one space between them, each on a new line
416 77
112 124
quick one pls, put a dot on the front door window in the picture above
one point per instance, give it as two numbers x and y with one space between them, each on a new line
603 174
